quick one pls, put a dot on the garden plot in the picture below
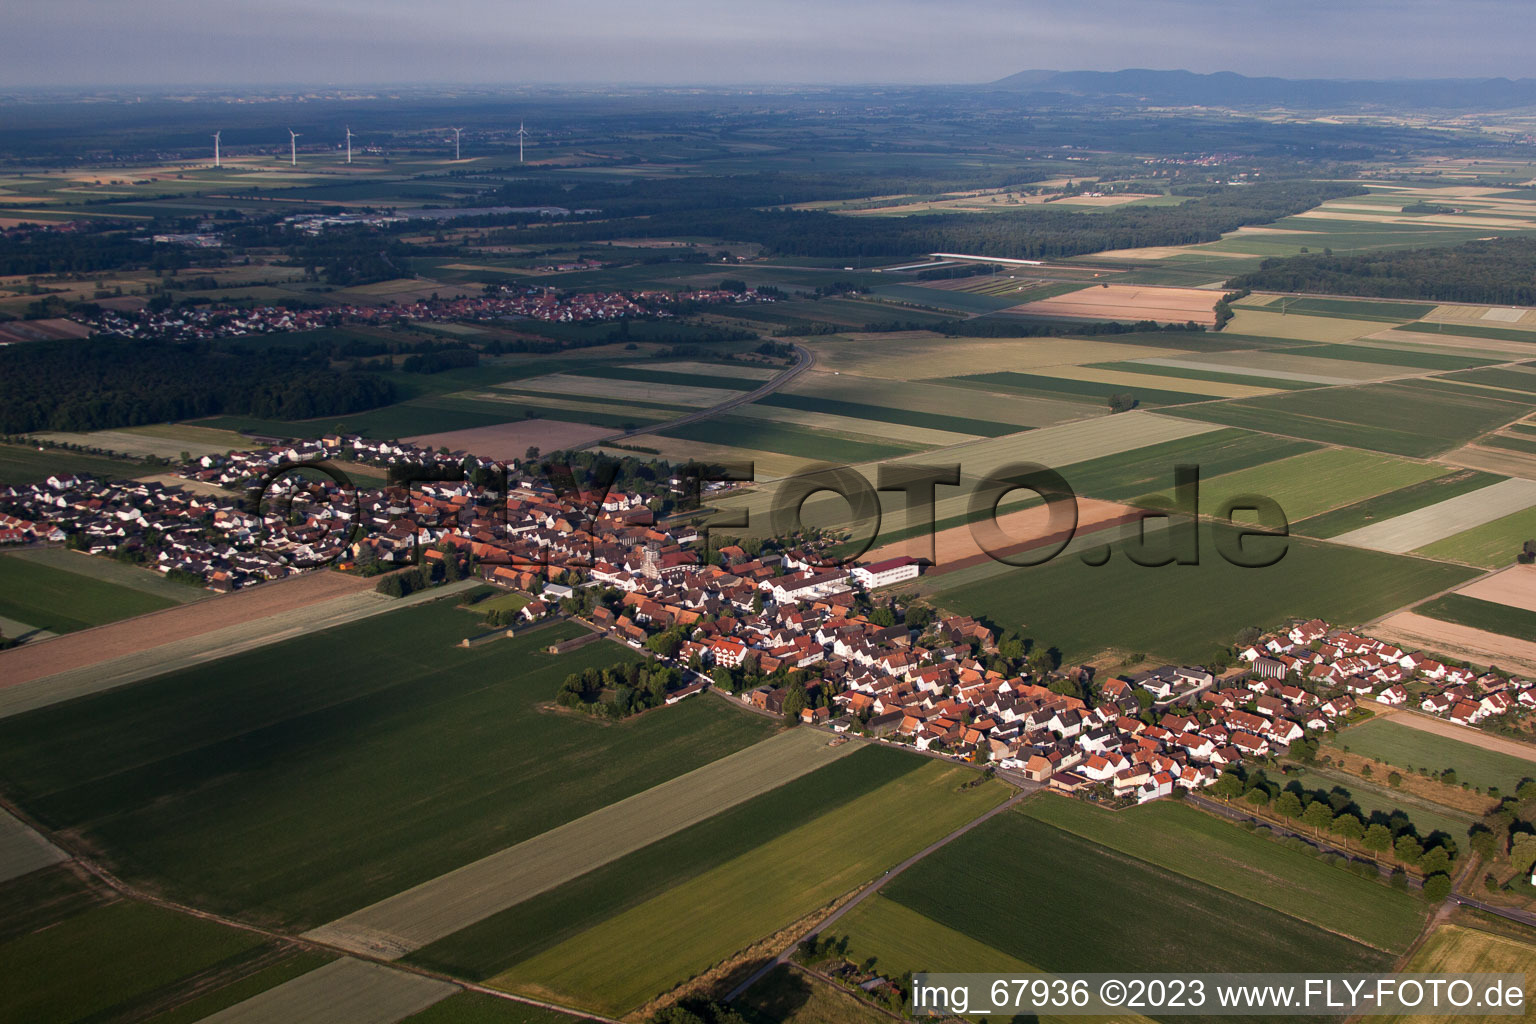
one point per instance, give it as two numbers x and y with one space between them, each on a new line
1424 526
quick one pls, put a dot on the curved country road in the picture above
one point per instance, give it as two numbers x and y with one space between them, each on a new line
804 360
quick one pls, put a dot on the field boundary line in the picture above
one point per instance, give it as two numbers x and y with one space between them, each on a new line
875 886
434 909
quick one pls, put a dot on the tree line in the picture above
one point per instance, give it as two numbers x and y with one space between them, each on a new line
100 383
1033 232
1501 270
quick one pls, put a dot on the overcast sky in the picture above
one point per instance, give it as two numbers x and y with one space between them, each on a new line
346 42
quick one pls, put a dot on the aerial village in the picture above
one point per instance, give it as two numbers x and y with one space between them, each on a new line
790 634
203 323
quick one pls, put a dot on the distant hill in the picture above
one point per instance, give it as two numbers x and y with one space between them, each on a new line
1228 89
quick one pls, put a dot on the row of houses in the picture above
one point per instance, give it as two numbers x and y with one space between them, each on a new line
1319 654
546 304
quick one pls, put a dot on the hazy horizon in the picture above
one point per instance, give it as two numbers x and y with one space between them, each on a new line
353 43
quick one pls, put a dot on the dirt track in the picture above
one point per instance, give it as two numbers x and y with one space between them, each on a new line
103 643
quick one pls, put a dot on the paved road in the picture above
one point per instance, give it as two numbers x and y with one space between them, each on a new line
804 360
874 887
1524 917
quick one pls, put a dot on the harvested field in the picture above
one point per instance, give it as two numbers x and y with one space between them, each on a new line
1448 639
507 441
1269 324
916 355
1435 340
435 909
22 850
957 546
1421 527
1136 382
104 643
1129 302
344 991
167 441
1455 950
1515 587
1493 460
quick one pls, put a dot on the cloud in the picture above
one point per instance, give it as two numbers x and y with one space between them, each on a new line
64 42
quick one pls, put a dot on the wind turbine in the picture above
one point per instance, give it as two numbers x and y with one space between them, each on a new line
216 149
349 145
293 147
456 132
521 134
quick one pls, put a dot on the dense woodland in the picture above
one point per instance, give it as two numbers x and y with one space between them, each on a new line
1501 271
1032 232
102 383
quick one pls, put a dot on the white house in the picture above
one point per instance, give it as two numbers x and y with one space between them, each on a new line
883 574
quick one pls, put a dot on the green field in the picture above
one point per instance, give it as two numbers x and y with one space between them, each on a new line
888 414
500 602
1513 378
505 939
49 598
707 917
1409 748
1307 484
1186 612
1471 611
696 380
1062 903
111 961
1207 849
1391 504
110 570
1419 418
1490 545
26 465
766 435
302 781
1084 390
